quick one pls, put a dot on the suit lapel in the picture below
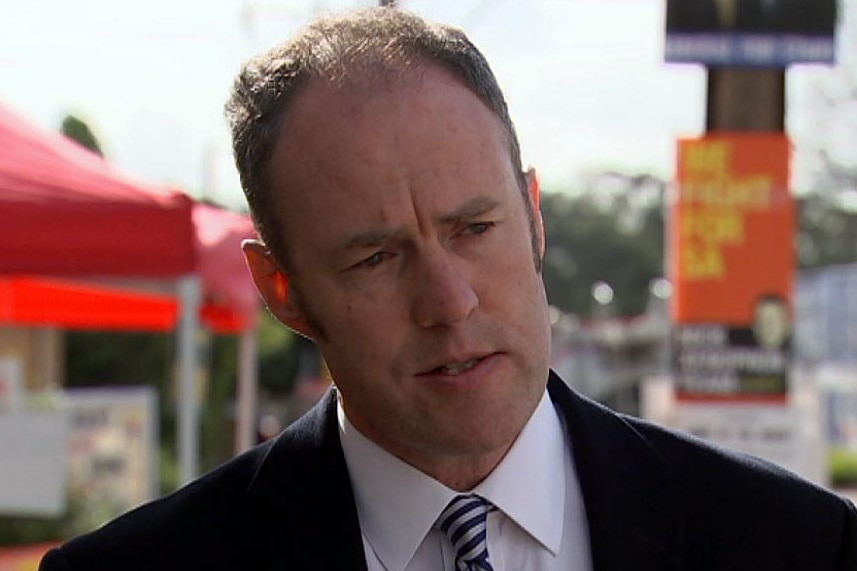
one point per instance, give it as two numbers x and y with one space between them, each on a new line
622 478
305 512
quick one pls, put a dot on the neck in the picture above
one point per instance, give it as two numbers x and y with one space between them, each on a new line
459 470
462 473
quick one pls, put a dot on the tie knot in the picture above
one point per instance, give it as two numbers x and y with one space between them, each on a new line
464 521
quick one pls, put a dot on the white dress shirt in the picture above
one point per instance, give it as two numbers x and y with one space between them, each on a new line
540 523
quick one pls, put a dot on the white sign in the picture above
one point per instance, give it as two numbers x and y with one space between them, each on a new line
113 446
11 383
33 463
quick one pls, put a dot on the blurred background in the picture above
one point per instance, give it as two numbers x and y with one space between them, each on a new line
118 384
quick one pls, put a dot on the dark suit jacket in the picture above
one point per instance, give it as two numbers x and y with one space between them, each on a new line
655 500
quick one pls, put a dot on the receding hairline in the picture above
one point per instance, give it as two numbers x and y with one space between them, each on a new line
360 89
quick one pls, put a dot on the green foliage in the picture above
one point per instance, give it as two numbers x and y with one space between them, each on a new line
18 530
84 513
77 130
216 417
614 235
168 464
98 358
827 228
843 468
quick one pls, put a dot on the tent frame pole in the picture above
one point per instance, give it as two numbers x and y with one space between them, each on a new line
190 295
247 398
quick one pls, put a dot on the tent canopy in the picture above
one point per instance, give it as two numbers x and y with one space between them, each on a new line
66 212
231 301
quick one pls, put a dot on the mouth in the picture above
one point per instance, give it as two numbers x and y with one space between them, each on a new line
453 369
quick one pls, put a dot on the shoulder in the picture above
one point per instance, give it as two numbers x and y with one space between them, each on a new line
696 468
702 465
214 521
743 504
725 501
205 513
622 440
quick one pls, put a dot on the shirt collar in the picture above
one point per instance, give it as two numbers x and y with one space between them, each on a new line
397 504
529 485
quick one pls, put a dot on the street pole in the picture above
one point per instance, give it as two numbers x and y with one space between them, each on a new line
746 99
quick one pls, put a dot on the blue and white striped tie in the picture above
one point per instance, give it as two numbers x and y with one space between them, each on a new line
464 523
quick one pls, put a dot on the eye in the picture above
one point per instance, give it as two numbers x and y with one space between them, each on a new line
476 228
374 260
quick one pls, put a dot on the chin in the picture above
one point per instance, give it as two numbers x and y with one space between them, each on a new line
486 437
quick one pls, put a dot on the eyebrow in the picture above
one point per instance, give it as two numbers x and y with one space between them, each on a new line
371 238
469 210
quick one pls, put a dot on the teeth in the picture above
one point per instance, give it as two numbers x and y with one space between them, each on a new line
458 368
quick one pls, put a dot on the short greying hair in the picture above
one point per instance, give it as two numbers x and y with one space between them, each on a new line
372 44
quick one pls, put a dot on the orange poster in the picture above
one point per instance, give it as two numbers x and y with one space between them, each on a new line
732 261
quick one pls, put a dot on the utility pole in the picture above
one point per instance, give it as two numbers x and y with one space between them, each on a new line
732 227
746 99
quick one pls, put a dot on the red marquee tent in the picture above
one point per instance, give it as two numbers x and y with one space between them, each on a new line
67 213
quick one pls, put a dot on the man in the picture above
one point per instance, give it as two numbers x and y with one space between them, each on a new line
401 234
772 321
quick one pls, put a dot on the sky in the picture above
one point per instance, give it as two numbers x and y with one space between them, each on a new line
585 80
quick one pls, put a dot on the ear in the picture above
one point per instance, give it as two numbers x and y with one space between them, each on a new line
534 188
273 285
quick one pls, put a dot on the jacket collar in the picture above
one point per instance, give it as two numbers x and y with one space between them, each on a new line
623 480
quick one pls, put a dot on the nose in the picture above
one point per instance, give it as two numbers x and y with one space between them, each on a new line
443 293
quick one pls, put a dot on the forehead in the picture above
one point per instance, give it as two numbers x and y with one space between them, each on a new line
325 112
364 143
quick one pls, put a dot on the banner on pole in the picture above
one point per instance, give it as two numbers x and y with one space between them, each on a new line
732 261
751 33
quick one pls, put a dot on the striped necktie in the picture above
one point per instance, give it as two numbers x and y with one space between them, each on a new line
464 523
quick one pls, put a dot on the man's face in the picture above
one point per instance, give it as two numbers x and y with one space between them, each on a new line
411 265
772 323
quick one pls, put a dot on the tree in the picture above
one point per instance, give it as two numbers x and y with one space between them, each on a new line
829 139
827 229
827 213
78 131
612 232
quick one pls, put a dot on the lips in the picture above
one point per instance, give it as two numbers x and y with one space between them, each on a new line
455 368
463 363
